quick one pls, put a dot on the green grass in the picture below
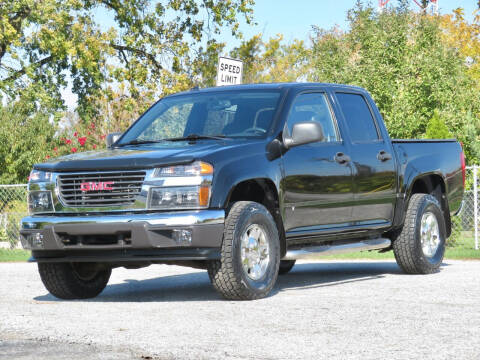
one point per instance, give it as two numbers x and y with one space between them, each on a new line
450 253
15 255
463 249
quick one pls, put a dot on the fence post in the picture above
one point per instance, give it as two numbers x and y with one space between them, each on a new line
475 205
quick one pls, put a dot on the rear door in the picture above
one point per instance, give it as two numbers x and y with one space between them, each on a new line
374 175
317 185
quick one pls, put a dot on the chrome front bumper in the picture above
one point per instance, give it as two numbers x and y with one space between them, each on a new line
70 235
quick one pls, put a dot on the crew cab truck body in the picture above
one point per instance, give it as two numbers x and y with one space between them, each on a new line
243 181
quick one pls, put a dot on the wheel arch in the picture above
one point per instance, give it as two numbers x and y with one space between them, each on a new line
433 184
265 192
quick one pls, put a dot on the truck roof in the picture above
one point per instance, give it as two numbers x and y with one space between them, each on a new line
272 86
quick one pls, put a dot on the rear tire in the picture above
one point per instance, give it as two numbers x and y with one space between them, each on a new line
74 280
420 246
250 253
285 266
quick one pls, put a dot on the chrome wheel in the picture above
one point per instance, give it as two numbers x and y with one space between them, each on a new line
430 234
255 252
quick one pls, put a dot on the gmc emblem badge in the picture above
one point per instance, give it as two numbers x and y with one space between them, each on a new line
96 186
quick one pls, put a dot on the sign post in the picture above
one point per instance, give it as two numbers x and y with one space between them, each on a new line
229 71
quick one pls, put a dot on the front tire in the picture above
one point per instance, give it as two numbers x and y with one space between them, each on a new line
420 246
250 253
74 280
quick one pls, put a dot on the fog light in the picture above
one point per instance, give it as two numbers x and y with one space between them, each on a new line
182 237
32 241
40 201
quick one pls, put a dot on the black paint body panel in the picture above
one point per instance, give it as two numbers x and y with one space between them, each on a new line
318 197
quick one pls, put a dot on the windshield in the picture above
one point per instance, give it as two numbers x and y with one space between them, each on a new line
239 113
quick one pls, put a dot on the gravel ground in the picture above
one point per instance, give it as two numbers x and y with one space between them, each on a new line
332 309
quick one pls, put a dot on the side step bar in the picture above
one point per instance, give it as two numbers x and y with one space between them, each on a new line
318 251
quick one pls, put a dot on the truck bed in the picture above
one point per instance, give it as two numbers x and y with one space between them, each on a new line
421 156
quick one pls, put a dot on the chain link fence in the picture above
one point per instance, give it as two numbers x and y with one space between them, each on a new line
466 223
13 206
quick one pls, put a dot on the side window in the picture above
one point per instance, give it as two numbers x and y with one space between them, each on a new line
358 117
313 107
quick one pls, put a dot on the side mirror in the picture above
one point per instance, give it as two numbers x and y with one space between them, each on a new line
303 133
112 138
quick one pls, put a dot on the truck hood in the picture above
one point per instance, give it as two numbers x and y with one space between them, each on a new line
141 157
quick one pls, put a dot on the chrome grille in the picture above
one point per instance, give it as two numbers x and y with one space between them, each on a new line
125 186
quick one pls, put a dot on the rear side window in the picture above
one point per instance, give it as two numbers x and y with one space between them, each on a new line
359 119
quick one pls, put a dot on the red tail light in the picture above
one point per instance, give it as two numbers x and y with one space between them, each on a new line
462 161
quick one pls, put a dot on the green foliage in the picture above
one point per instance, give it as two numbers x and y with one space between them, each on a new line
149 49
413 65
15 203
153 49
400 58
25 136
3 235
272 60
456 235
436 128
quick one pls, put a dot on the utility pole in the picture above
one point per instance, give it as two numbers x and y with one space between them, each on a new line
425 5
383 3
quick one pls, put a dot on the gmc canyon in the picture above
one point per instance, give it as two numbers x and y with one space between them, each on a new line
242 181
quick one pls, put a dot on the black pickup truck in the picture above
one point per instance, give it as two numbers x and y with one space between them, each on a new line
242 181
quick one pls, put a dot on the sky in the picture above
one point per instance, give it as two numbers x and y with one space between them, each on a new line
294 19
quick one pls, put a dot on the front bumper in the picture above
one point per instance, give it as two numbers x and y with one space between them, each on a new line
180 235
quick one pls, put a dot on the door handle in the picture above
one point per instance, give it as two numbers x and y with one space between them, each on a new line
341 158
384 156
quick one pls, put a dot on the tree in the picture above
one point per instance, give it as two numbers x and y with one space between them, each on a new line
153 48
464 37
149 48
400 57
436 128
273 60
25 138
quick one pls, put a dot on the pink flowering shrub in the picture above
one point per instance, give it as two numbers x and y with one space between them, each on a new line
82 139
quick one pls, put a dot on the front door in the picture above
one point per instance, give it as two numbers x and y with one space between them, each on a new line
317 185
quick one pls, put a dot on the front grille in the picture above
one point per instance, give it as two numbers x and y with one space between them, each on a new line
125 186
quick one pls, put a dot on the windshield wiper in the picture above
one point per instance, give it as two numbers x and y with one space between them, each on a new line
198 137
140 142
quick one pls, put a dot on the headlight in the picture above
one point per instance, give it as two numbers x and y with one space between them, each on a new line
184 187
39 176
196 168
187 197
40 201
